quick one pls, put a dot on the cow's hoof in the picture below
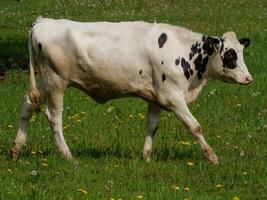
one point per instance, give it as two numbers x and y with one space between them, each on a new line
14 153
211 157
67 156
147 155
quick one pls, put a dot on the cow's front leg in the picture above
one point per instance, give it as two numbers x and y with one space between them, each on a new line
153 117
181 110
54 115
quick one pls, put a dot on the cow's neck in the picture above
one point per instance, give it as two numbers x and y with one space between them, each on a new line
199 58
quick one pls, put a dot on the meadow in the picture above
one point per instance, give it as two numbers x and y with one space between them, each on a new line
107 140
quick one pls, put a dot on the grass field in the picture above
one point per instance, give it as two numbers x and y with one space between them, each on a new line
107 140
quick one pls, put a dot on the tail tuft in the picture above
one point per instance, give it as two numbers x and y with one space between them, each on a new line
35 98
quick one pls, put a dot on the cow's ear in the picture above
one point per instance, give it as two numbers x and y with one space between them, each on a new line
245 42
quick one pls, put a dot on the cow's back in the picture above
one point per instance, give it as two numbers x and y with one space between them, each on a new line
106 60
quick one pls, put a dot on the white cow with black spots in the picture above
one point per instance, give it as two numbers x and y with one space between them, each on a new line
165 65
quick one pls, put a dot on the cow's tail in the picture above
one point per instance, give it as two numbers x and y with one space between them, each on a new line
34 94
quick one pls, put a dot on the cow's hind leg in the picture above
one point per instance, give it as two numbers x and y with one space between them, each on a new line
26 114
153 117
54 115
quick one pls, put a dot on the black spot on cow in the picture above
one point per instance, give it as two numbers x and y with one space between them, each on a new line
40 46
163 77
204 38
140 72
229 59
162 39
200 65
208 45
162 62
186 67
222 44
194 49
177 61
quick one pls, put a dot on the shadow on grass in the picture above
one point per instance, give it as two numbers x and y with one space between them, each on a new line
165 154
13 54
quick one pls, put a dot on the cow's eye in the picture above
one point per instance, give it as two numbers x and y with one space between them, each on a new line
229 59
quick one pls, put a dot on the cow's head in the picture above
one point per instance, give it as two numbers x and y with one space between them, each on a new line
228 63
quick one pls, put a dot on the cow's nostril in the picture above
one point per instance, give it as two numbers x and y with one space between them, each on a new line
248 79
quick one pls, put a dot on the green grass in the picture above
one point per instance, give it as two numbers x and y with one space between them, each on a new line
107 146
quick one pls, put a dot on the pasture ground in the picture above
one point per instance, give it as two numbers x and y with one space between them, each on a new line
107 140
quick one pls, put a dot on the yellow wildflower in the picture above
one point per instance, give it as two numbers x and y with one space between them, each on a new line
190 164
33 152
10 126
177 188
82 190
45 165
186 189
219 186
140 196
185 143
245 173
236 198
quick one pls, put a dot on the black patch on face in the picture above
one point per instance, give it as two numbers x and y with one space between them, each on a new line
186 67
163 77
177 61
40 46
162 39
208 45
140 72
204 38
200 65
229 59
162 62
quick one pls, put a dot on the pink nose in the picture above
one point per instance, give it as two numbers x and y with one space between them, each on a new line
248 79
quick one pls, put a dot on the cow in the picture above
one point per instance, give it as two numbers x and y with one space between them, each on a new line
163 64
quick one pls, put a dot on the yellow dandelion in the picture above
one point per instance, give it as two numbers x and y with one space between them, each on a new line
131 116
218 136
45 165
245 173
219 186
32 120
177 188
9 171
44 160
33 152
195 142
186 143
186 189
236 198
112 198
41 152
10 126
190 164
82 190
140 196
